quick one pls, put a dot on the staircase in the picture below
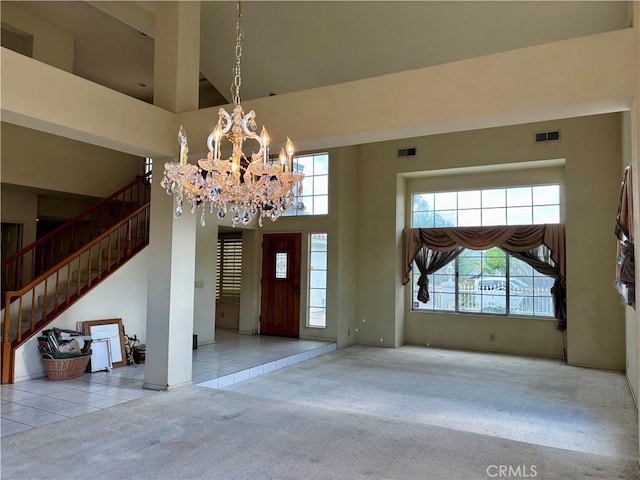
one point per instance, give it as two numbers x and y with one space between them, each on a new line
45 278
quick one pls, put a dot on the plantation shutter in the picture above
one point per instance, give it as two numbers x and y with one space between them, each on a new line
229 266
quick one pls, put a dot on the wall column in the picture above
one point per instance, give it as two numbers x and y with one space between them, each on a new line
249 311
176 60
170 301
170 297
204 318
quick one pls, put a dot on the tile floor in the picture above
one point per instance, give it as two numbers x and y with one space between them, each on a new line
231 359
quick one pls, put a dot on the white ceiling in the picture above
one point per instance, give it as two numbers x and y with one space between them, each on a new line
296 45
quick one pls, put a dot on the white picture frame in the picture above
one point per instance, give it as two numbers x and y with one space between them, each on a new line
114 331
101 355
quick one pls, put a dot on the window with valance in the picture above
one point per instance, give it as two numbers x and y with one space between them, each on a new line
540 246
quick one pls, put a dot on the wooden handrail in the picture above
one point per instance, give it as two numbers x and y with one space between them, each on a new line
75 219
37 250
64 262
8 344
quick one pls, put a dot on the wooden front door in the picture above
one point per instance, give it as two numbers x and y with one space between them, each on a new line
280 305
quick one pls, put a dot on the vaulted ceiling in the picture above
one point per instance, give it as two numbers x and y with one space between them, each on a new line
297 45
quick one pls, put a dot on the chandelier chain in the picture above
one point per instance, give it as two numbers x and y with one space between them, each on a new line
237 79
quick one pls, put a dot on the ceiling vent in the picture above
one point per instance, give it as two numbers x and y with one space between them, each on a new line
551 136
407 152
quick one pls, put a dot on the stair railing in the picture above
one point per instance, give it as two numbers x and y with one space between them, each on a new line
24 266
68 280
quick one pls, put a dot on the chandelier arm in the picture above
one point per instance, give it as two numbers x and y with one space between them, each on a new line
247 121
225 117
251 135
210 142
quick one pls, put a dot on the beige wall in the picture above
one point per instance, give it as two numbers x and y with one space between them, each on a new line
483 332
121 295
580 76
51 44
45 98
171 273
345 256
62 208
228 315
631 317
204 308
35 159
635 160
20 206
249 311
595 313
591 149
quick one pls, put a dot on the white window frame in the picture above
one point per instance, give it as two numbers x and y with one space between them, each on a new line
495 206
314 197
317 262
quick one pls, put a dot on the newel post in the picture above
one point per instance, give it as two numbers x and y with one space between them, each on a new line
7 354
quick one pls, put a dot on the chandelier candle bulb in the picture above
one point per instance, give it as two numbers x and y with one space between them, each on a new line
283 159
289 147
182 140
264 135
216 138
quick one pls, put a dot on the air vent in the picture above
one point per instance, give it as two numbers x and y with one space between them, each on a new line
551 136
407 152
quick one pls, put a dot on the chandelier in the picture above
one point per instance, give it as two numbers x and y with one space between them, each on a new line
240 186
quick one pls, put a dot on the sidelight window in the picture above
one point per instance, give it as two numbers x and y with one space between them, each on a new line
317 280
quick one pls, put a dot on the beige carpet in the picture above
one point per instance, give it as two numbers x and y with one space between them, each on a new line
358 413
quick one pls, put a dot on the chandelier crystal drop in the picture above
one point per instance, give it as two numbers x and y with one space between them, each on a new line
240 186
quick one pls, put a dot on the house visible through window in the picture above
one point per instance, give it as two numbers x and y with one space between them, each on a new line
313 198
488 281
229 266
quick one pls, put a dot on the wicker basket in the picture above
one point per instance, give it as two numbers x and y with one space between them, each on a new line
66 368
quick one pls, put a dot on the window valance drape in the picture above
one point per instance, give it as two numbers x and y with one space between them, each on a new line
625 282
541 246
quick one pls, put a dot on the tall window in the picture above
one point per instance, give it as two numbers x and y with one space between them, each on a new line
229 266
489 281
148 167
318 280
313 198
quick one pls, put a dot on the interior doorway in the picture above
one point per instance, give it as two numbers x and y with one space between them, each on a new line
280 304
11 244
